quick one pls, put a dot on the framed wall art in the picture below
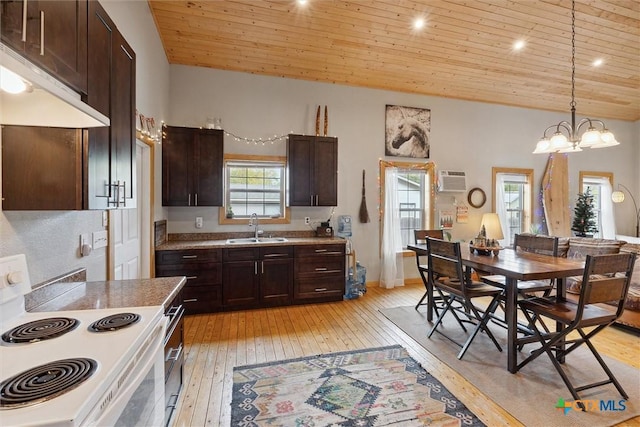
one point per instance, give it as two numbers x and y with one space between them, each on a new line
407 131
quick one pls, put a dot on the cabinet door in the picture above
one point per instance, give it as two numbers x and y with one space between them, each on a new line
325 171
41 168
62 48
177 149
276 281
300 169
98 159
123 129
240 283
208 160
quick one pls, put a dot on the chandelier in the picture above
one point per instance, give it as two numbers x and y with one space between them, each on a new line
566 138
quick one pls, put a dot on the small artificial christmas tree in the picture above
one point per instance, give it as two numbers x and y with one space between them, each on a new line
583 215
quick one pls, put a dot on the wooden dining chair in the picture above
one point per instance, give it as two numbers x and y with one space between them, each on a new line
420 237
445 270
544 245
534 243
606 279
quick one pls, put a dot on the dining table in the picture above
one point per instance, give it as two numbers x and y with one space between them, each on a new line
514 266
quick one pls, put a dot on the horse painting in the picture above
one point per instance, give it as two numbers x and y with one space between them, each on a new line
407 131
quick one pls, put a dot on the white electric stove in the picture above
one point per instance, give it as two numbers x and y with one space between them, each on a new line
77 368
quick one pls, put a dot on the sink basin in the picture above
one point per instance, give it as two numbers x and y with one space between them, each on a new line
250 240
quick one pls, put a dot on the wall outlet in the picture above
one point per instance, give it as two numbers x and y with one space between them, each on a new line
307 220
198 222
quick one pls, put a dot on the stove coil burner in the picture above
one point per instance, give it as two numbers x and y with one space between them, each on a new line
45 382
39 330
114 322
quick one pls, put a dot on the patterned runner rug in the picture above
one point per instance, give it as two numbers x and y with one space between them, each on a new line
372 387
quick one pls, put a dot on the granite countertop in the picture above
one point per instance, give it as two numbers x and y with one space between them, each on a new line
210 244
112 294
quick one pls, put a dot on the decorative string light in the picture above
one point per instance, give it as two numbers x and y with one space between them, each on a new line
256 141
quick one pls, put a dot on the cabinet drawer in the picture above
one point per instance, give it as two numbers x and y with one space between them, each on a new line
332 286
188 256
314 250
202 299
267 252
173 348
241 254
196 274
320 266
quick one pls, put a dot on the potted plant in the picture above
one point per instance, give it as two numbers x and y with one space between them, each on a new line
584 222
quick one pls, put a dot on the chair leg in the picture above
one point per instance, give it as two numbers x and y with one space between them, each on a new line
612 378
482 325
441 316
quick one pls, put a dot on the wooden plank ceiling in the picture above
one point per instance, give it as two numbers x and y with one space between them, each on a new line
464 51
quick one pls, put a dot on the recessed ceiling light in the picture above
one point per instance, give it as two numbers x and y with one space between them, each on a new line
418 23
302 2
598 62
519 45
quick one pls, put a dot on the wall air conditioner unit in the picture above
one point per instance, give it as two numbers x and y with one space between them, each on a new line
452 181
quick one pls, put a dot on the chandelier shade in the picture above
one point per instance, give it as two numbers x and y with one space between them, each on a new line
565 137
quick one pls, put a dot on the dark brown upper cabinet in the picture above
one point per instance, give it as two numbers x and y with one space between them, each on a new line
51 34
192 166
41 168
312 164
110 153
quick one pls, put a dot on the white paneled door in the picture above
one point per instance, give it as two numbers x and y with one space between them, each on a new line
128 252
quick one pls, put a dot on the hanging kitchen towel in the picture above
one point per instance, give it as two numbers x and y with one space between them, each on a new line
364 214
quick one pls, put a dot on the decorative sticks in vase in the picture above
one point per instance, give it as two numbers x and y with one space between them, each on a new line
326 121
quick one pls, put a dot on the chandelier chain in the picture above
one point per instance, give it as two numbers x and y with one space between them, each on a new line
573 53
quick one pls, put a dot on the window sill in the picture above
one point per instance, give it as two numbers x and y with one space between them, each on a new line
223 220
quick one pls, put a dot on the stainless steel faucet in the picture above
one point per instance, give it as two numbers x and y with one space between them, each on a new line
254 222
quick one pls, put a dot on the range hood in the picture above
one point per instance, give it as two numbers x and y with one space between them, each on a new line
51 103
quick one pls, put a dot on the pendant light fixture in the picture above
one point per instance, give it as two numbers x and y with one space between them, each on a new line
567 138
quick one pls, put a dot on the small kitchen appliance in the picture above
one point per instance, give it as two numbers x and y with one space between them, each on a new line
90 367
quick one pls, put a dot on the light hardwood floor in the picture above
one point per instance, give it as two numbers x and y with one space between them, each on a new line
215 343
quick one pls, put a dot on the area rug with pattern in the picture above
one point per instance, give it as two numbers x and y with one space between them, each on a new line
371 387
535 395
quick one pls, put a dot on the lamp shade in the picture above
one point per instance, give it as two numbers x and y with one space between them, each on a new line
491 223
617 197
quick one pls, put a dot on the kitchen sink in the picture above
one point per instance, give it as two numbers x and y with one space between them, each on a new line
250 240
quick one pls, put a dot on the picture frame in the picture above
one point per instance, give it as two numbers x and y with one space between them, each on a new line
407 131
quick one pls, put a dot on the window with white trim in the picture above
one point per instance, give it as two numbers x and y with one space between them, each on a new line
513 201
255 186
600 189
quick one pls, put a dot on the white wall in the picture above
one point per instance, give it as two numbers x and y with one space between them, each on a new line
50 240
466 136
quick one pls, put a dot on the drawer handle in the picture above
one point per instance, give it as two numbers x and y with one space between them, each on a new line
275 255
174 353
321 250
321 269
174 402
192 277
174 310
320 289
191 300
189 256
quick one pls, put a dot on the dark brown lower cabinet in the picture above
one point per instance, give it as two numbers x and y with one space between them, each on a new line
257 276
243 277
203 269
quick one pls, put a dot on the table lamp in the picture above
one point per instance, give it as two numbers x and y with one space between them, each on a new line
491 224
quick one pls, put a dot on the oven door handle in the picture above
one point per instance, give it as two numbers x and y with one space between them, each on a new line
151 360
